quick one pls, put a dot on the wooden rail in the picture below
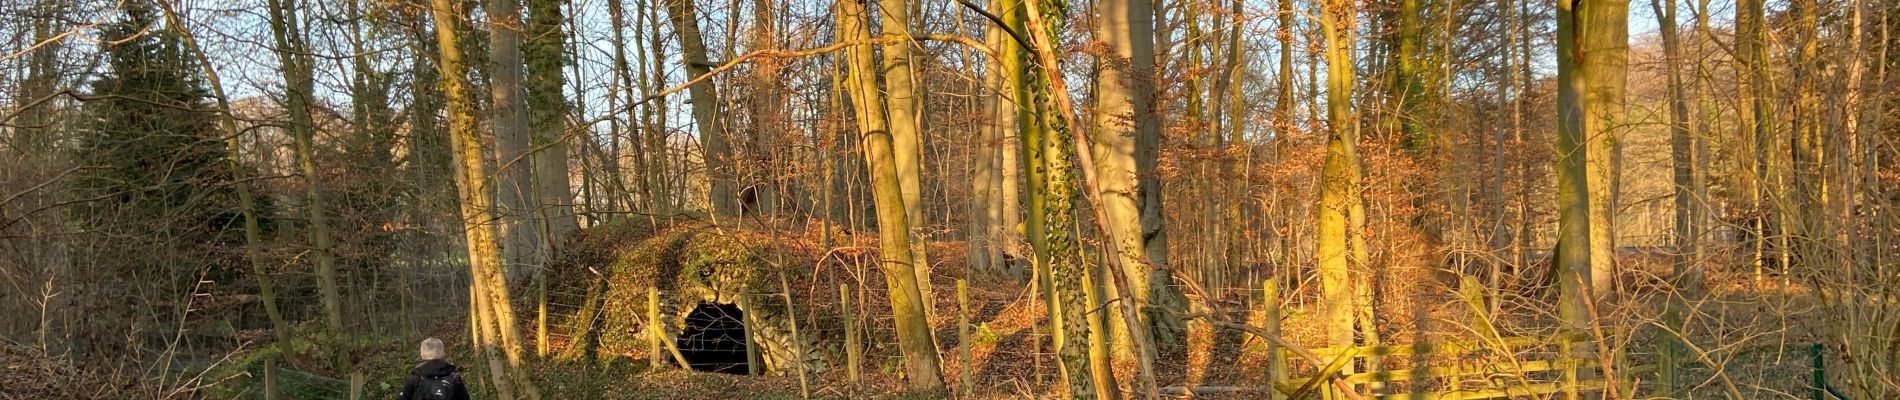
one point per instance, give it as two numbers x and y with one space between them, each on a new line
1487 368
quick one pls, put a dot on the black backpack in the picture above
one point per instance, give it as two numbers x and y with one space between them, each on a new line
439 388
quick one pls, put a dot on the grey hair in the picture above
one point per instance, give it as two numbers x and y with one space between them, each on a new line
431 349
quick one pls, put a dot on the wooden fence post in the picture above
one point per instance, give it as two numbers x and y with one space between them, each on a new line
1473 295
1270 316
1670 376
1569 358
357 381
655 329
752 366
963 337
270 378
851 352
798 348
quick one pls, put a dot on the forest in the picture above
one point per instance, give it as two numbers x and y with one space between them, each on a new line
796 199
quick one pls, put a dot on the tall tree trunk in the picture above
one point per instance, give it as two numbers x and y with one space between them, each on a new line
1005 209
1854 152
1757 122
985 254
1807 150
653 132
1086 352
1682 144
428 156
1007 117
491 306
904 102
1497 237
547 120
483 338
509 118
1164 324
765 107
1032 125
907 305
1009 232
1065 154
623 82
705 98
1573 184
295 66
1206 260
1604 47
1339 195
1284 128
1592 48
295 61
1699 134
1409 83
1229 137
247 203
1520 19
1125 133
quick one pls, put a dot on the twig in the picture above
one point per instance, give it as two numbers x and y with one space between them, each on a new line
1013 34
770 53
1604 359
1720 369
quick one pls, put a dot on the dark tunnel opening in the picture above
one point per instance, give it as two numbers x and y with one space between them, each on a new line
714 339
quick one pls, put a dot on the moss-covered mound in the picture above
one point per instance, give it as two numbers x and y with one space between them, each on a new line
690 264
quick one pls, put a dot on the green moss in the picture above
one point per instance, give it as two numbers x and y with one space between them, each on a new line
688 264
984 336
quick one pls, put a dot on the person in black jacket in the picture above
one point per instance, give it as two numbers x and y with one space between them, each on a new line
434 378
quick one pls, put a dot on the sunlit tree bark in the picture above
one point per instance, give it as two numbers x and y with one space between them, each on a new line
1604 45
623 75
1409 83
919 349
1126 134
1284 127
490 304
1592 48
1339 179
904 101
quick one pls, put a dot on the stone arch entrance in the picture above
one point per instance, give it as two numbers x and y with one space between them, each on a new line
712 339
763 317
714 289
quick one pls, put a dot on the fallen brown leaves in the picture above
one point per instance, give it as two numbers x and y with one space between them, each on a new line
26 374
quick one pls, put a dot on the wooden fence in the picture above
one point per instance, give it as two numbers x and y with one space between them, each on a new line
1488 368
